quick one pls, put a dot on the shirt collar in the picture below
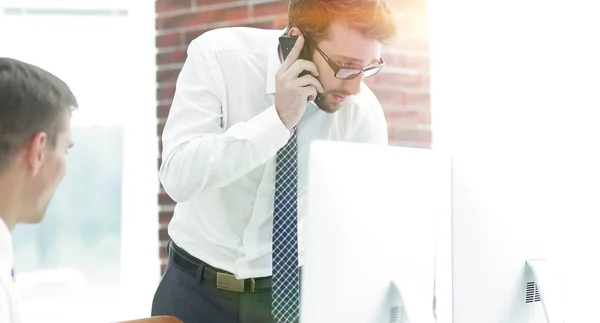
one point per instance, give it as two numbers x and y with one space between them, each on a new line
273 62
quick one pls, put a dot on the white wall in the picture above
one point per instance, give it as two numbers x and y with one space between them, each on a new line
516 99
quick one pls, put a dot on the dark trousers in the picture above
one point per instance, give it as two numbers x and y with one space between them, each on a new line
193 299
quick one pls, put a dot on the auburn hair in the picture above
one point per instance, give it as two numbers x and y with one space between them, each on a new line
372 18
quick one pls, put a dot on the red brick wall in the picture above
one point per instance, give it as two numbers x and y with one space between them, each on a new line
402 87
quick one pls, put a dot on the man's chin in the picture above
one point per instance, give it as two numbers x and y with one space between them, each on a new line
327 105
36 216
33 219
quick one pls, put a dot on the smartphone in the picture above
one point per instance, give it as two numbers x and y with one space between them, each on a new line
287 43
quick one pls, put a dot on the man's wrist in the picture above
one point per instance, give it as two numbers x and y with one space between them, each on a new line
285 122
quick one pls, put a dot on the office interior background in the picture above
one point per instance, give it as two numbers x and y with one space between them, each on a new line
105 233
101 250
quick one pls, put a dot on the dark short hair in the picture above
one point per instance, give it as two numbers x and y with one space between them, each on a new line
372 18
32 100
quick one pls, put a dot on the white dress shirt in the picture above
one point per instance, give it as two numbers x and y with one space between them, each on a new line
8 308
221 139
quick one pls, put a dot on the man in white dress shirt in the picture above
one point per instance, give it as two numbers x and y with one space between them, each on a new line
237 104
35 113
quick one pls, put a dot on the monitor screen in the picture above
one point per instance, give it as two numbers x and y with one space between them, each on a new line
370 232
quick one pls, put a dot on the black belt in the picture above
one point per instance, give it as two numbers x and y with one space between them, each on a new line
223 279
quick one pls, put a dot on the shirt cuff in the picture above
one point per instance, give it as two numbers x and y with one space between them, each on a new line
268 128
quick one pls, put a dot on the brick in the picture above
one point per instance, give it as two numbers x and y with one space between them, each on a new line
165 93
162 252
176 56
398 79
167 102
411 99
200 3
418 62
163 267
280 22
389 97
410 135
204 17
407 117
190 35
267 24
160 128
168 40
393 59
163 235
163 6
426 81
162 111
370 82
165 217
164 198
270 8
167 75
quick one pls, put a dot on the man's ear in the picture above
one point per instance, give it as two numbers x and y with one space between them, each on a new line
294 31
36 151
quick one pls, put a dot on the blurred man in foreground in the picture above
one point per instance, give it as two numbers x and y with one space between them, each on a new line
35 113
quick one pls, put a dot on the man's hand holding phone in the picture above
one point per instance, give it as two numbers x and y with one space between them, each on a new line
291 90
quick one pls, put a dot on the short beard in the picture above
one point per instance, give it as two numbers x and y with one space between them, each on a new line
326 104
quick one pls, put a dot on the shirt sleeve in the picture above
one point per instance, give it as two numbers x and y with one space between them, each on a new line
198 153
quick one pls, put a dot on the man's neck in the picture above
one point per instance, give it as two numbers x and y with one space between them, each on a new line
9 201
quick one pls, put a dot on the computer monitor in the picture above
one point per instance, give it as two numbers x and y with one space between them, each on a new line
370 232
506 256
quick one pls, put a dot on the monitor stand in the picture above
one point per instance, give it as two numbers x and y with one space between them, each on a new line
394 309
548 287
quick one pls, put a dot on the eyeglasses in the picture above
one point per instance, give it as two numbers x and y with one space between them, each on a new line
342 72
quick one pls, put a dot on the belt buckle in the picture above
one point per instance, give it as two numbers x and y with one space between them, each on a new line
229 282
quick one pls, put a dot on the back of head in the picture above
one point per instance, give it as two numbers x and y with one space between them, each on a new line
32 100
372 18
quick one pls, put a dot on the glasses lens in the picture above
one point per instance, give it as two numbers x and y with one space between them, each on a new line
372 71
348 73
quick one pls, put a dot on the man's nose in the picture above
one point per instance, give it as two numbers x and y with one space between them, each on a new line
353 85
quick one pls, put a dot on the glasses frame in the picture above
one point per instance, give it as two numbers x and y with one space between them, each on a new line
353 71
